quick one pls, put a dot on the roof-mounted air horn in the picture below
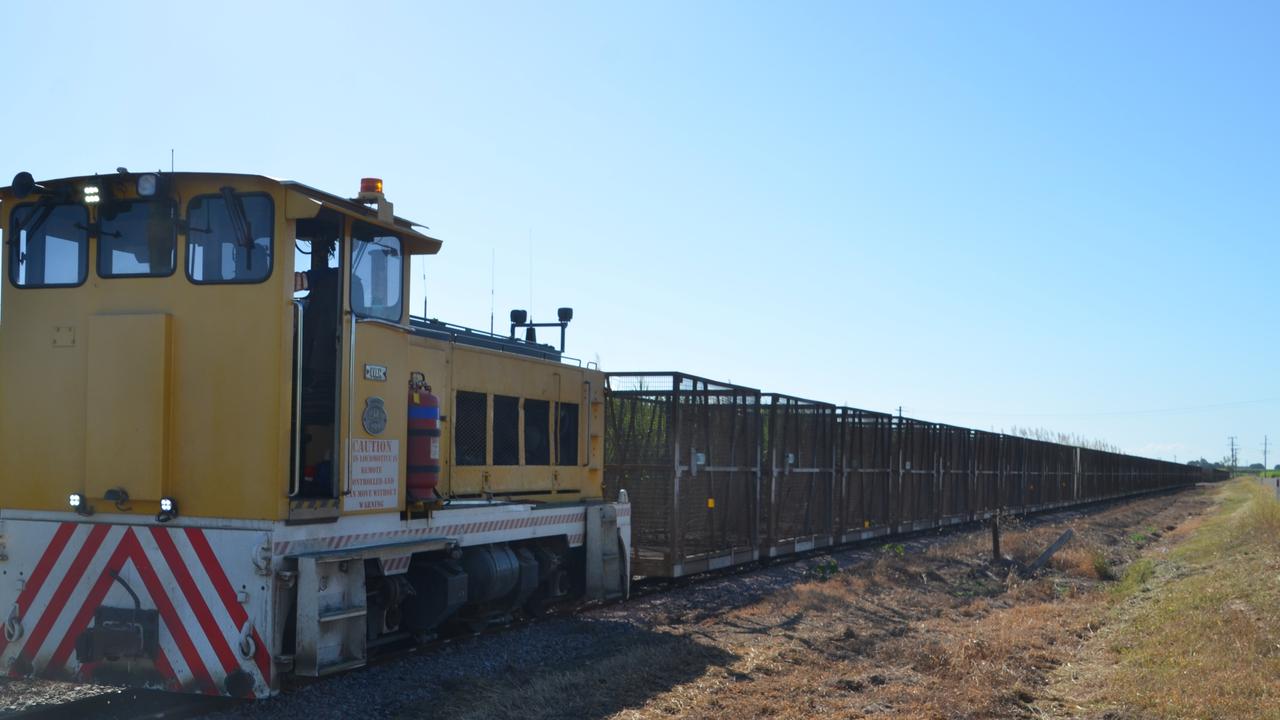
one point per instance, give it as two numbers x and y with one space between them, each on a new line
23 185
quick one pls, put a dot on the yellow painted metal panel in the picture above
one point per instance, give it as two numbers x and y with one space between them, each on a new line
42 413
299 206
373 453
491 372
127 405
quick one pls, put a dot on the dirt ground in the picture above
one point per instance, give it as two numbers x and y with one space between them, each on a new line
928 628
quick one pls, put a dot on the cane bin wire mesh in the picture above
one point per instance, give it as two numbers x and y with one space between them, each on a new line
797 438
864 444
687 449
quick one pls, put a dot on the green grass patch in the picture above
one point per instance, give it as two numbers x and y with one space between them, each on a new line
1135 577
1204 642
894 549
824 569
1101 567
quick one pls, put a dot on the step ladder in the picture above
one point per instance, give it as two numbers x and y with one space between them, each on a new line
331 626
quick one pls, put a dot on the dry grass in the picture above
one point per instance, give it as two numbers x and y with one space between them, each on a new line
1262 519
1085 562
883 642
991 667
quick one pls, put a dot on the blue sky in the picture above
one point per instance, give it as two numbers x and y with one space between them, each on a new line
1061 215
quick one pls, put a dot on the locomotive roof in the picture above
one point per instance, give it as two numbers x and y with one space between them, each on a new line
418 242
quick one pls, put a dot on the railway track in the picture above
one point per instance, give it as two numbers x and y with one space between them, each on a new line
156 705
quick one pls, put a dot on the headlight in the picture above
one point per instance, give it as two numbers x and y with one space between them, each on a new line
146 185
77 502
168 509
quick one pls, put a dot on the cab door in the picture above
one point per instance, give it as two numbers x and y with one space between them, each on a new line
319 311
377 380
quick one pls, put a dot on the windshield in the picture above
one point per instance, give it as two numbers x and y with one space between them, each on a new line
48 245
229 238
138 240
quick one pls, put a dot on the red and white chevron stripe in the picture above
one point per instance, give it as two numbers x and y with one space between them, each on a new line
396 565
175 571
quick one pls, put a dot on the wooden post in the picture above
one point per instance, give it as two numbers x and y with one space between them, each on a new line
1048 553
995 537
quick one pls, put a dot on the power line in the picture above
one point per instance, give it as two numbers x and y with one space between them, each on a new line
1106 413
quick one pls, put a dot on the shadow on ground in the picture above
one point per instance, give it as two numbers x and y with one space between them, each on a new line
626 668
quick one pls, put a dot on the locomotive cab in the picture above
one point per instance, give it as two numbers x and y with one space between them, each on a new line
161 342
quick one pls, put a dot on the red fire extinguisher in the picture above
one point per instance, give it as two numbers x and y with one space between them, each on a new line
424 440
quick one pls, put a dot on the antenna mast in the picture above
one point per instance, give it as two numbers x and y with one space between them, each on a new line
530 274
493 264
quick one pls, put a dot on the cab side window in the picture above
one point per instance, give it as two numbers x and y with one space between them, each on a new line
376 273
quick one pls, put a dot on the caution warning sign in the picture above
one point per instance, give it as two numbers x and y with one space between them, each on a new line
375 473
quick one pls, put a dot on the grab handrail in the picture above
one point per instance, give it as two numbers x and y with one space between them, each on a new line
296 483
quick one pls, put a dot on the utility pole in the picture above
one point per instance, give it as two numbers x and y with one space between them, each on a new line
1232 439
1264 456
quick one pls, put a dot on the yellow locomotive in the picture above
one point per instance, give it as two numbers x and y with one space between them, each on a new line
228 454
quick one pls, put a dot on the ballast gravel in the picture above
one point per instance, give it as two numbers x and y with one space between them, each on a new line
23 694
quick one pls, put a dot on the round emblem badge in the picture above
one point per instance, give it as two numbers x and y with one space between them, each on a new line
374 417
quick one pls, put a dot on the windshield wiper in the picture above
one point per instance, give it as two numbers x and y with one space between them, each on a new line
239 224
41 215
97 230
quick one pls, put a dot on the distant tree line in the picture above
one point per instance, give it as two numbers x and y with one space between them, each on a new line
1080 441
1063 438
1225 464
